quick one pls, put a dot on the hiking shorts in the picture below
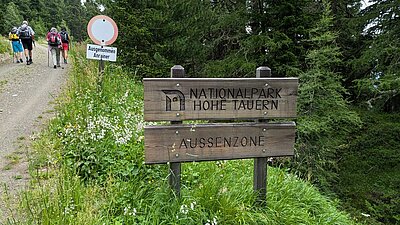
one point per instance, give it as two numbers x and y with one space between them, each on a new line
27 43
65 46
17 47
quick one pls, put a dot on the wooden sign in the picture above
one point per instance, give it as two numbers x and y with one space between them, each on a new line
186 143
177 99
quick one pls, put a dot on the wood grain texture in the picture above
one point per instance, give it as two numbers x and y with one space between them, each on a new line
186 143
178 99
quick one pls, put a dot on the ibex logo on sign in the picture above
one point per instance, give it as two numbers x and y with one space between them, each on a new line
174 100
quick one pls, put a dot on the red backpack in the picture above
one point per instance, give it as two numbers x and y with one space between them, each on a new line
54 39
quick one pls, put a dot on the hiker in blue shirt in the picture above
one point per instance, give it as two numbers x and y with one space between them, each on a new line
27 37
16 45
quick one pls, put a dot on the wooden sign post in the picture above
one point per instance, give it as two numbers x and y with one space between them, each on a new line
260 164
177 71
177 98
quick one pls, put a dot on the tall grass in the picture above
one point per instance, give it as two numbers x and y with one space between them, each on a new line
89 169
5 46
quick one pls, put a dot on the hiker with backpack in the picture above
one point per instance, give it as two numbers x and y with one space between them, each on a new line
16 45
65 43
27 37
54 41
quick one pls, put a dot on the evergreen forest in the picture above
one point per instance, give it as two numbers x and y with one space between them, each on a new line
346 54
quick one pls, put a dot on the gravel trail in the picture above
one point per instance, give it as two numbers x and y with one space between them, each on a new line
26 94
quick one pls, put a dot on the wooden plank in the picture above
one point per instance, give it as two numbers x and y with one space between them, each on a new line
216 98
187 143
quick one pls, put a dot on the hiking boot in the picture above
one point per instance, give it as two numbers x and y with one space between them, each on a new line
20 60
28 63
17 61
58 65
55 67
65 61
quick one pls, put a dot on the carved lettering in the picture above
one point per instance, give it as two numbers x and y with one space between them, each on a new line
213 99
222 142
234 93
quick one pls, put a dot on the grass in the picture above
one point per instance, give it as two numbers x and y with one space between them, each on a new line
2 84
88 168
13 159
5 46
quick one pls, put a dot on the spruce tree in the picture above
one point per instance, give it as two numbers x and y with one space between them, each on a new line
324 115
11 17
379 88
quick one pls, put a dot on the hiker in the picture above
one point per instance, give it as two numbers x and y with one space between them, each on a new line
27 37
54 41
16 45
65 44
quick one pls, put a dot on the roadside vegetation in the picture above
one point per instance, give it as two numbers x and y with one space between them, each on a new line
5 46
370 168
88 168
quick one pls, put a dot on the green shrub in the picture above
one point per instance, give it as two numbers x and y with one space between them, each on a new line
369 169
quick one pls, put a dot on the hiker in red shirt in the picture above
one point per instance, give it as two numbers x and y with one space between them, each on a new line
65 39
54 41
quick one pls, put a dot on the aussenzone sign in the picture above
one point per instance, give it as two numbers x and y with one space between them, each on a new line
99 52
233 98
189 143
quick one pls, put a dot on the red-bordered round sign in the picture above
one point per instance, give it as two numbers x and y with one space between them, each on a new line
102 30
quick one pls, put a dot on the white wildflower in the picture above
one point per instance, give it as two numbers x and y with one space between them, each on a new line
365 214
192 205
184 209
212 222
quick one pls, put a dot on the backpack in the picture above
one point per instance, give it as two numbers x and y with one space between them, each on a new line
64 36
54 40
24 33
13 35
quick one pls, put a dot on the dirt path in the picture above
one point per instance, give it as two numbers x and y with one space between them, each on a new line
26 93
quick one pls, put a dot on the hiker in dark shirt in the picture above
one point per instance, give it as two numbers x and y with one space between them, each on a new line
27 37
65 39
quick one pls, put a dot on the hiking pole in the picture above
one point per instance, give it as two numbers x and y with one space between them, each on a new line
48 64
13 53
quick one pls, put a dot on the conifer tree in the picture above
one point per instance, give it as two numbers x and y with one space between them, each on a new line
11 17
324 115
379 88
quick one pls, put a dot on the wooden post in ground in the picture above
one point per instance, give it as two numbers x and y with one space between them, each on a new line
260 164
177 71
